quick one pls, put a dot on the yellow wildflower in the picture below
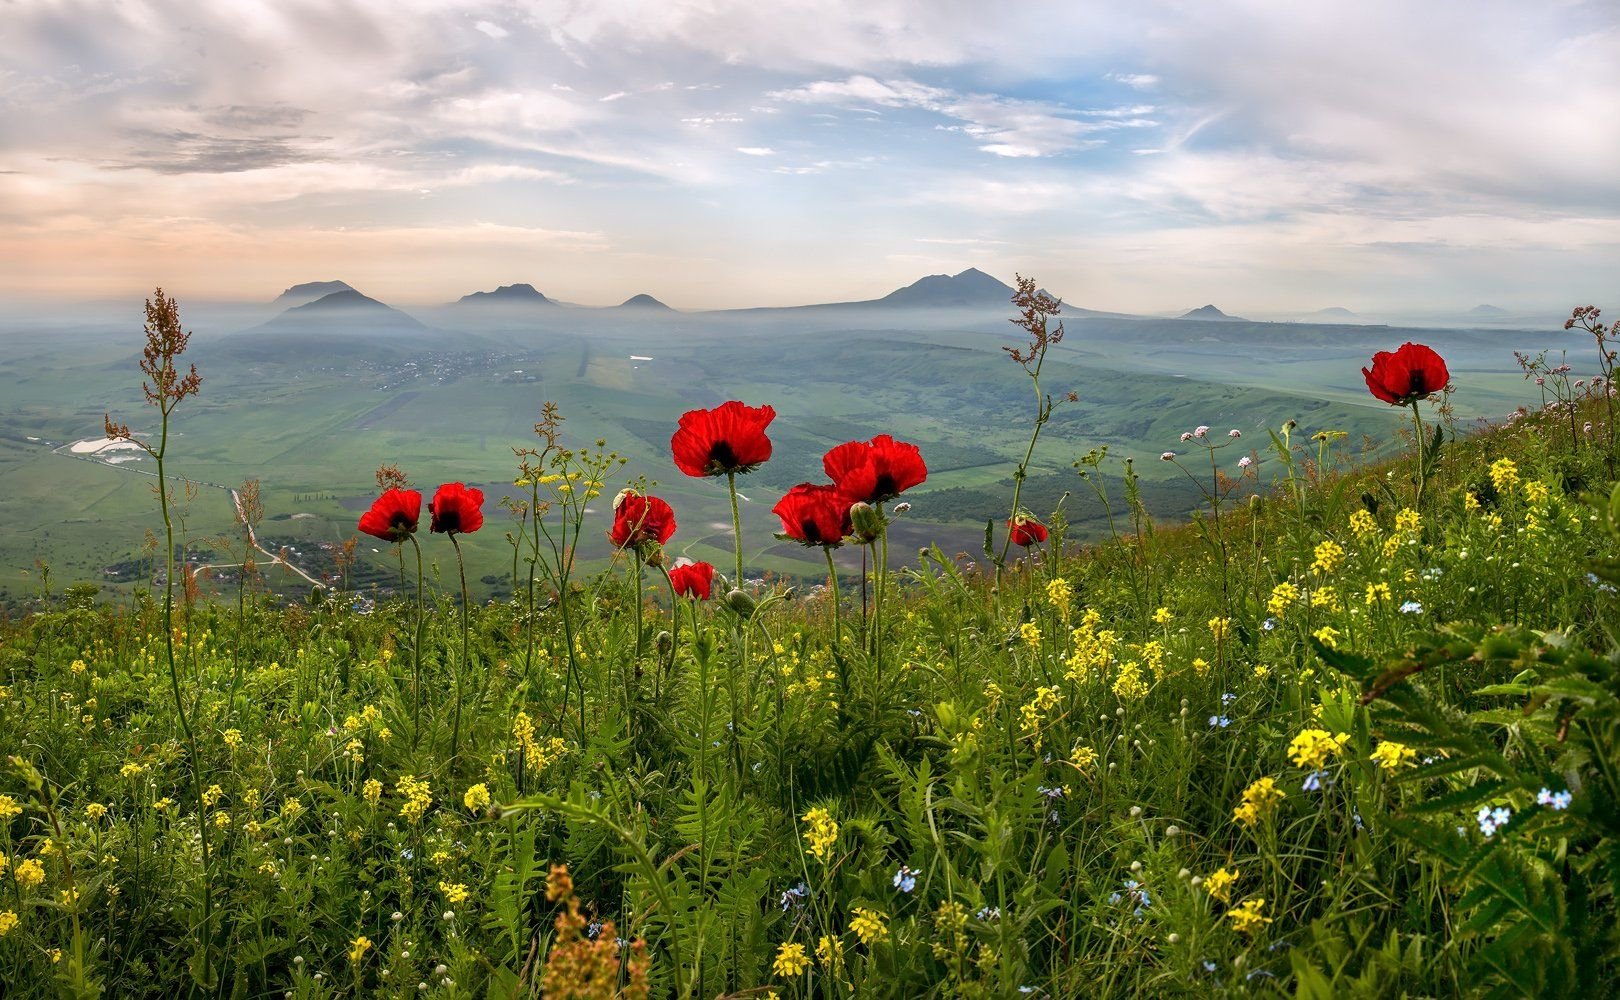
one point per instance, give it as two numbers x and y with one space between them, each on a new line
1328 636
162 804
358 949
232 738
1129 686
418 797
1362 524
131 770
455 892
1082 757
1249 916
1163 616
868 926
29 873
291 808
8 922
1391 756
1377 592
1219 885
1329 556
1259 799
1312 748
1283 596
1504 475
1408 520
791 960
1060 594
1030 633
372 790
477 797
212 795
95 811
1218 627
830 952
822 835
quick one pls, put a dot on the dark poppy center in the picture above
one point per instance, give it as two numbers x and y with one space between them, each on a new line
721 457
450 520
884 487
812 532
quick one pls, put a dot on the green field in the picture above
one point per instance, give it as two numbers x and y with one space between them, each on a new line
312 417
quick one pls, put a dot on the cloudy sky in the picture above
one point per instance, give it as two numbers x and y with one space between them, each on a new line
1267 155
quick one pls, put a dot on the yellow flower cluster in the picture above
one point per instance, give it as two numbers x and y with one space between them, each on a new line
1163 616
790 960
132 770
1219 627
1032 714
868 926
1392 756
1504 475
1249 916
1363 525
1283 596
455 892
95 811
1407 521
8 922
1378 592
1536 492
1093 648
477 797
1329 557
1030 634
232 738
1259 799
1325 597
1082 757
372 790
358 949
1153 654
1060 594
1129 686
212 795
1315 747
830 952
418 797
1219 885
29 873
822 835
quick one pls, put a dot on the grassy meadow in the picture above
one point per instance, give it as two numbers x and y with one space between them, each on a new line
1350 731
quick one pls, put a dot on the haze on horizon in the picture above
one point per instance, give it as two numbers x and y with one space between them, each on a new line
1270 156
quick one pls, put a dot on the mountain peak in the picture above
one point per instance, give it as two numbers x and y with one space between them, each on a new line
309 291
347 299
643 301
1207 312
521 293
971 287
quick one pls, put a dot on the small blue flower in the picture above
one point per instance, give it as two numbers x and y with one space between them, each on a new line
1313 781
989 913
1556 800
794 897
1051 793
1219 721
905 879
1228 698
1490 820
1269 624
1411 608
1209 966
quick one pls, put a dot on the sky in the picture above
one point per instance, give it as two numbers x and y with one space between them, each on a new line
1270 156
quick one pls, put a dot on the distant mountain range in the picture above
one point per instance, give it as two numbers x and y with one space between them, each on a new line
521 305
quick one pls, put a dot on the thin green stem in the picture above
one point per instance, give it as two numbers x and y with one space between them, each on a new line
736 527
416 648
832 591
461 669
1422 457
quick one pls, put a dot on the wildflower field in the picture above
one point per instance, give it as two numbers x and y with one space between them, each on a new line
1352 732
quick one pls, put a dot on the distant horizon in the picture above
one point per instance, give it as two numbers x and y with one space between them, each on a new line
1270 157
562 300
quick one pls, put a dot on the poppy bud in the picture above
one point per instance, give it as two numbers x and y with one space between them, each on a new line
664 643
741 603
867 521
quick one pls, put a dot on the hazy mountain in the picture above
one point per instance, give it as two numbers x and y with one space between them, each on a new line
969 288
1210 313
643 301
1487 312
507 295
308 292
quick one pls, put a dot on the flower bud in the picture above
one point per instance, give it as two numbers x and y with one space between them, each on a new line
867 521
741 603
664 643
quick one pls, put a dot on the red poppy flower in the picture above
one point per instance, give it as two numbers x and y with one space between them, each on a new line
1411 373
876 470
1026 531
692 579
393 515
815 515
729 438
456 508
638 519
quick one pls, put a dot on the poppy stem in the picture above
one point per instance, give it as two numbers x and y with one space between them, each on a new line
461 668
736 527
1422 454
832 589
416 647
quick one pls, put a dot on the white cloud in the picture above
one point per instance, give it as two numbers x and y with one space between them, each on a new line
491 29
756 150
